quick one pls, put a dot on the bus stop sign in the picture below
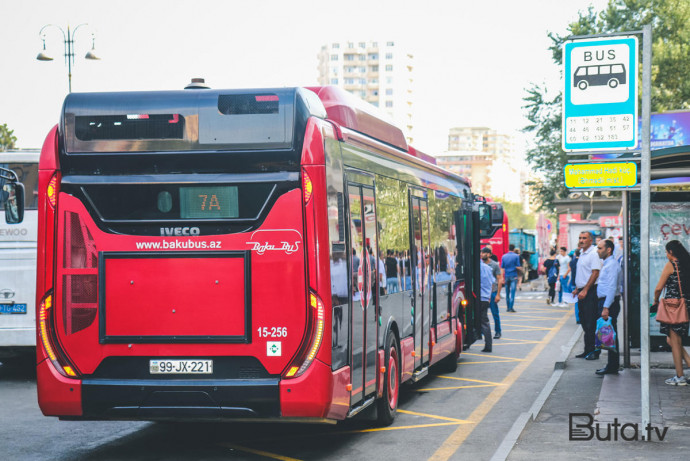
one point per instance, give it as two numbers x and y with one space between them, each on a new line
600 97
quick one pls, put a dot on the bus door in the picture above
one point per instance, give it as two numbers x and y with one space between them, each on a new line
364 289
421 277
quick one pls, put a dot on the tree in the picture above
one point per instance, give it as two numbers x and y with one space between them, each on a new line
7 138
517 219
670 20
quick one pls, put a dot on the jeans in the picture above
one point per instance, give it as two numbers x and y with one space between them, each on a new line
392 285
565 285
511 286
494 312
614 310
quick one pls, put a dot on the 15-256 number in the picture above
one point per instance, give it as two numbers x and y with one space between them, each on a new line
272 332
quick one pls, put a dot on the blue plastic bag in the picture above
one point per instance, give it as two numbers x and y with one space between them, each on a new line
605 335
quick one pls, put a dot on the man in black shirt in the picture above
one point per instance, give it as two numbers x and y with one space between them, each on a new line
392 285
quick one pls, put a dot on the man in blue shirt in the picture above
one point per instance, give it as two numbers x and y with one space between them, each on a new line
609 298
509 263
486 281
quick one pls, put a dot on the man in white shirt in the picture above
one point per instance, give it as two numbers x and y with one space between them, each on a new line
563 268
588 267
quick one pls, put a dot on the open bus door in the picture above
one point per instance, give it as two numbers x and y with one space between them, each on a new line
477 224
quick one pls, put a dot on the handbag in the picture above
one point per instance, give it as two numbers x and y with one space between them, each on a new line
605 337
673 311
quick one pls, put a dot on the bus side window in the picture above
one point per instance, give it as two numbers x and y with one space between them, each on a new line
581 71
617 69
604 69
593 70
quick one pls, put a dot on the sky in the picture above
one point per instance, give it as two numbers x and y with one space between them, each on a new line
473 59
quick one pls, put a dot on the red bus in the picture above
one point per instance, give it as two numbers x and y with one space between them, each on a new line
498 237
218 254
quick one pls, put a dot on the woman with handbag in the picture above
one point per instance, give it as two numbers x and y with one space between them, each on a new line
672 311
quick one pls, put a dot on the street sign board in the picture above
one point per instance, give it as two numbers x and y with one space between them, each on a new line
600 175
600 95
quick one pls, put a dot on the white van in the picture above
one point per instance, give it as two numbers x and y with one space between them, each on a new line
18 260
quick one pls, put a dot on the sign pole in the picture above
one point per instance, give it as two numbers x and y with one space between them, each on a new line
644 220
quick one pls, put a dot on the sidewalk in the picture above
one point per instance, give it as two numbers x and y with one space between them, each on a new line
609 400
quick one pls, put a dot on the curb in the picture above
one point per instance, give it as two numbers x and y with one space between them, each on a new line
515 431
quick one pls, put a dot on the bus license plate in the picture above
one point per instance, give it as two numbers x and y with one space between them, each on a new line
176 367
12 309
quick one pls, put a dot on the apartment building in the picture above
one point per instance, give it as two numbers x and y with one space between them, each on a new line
379 72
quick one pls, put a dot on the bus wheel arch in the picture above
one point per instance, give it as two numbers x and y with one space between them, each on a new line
387 405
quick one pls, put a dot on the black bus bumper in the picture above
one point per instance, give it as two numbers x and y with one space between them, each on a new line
109 399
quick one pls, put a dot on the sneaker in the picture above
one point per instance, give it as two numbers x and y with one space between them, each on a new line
497 336
677 381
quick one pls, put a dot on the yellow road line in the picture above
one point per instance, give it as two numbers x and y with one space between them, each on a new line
503 338
492 356
529 318
397 428
487 361
468 379
453 442
258 452
445 418
526 327
515 344
456 387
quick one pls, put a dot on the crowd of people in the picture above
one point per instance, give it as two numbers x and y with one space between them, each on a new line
592 274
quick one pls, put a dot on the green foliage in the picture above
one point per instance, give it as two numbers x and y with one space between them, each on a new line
7 138
517 218
670 21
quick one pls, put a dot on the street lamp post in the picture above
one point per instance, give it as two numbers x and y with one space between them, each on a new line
68 38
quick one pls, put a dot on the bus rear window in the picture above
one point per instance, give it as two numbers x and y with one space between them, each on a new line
129 126
163 202
245 104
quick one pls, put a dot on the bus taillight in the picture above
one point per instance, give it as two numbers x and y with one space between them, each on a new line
45 323
307 187
52 191
318 313
80 279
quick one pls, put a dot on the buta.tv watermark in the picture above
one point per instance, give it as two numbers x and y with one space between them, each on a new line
582 427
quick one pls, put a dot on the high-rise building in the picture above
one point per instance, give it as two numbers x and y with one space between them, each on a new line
473 165
377 72
480 139
488 158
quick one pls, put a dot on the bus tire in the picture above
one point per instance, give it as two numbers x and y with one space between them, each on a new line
450 364
613 83
387 405
582 84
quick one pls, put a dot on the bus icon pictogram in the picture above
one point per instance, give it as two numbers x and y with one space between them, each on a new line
611 75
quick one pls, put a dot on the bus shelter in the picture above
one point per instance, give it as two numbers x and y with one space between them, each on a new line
669 220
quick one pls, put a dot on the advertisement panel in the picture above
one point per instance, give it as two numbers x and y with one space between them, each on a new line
668 221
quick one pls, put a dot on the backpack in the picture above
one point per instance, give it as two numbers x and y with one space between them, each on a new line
553 272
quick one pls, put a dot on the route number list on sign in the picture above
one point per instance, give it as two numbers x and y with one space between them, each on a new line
600 128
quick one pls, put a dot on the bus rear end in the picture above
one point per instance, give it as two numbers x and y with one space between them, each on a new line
175 234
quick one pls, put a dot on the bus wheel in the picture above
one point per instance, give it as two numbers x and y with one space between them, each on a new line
613 82
388 403
450 363
582 85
